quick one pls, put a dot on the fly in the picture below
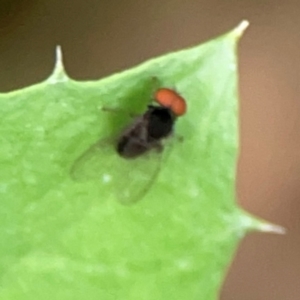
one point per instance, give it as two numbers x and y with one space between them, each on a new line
130 167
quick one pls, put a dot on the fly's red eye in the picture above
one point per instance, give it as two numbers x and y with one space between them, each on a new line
172 100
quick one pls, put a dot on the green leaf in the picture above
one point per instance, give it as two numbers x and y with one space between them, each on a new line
64 232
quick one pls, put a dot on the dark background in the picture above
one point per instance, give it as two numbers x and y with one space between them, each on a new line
101 37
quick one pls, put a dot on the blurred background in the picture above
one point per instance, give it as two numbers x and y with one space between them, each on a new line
102 37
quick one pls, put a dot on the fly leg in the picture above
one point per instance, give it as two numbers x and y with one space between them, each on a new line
117 110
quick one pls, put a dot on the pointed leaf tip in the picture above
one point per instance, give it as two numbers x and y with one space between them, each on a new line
251 223
238 31
59 74
58 53
271 228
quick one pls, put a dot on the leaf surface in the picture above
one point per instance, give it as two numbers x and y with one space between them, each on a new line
63 238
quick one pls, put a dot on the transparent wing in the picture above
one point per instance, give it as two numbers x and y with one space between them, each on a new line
129 179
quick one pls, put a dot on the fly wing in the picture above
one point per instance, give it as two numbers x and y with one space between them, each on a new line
129 179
